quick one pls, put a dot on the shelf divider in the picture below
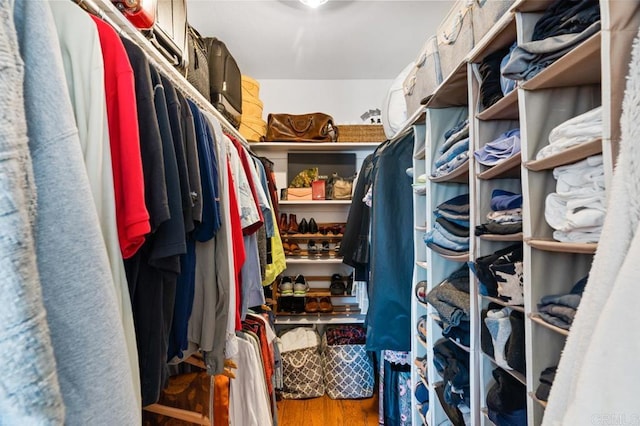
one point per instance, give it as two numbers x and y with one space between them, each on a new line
537 319
459 175
505 109
507 169
568 156
561 247
498 237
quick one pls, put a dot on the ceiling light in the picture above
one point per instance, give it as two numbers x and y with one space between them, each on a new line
313 3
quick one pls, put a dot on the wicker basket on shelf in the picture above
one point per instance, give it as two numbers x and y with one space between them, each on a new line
361 133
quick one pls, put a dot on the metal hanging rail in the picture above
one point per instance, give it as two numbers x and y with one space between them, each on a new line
105 10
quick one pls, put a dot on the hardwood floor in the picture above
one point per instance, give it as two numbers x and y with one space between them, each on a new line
325 411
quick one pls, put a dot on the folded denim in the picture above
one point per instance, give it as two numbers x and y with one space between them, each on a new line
435 236
564 17
454 138
575 131
498 228
564 313
457 128
505 200
510 282
457 204
453 228
505 216
577 236
490 90
451 237
569 300
451 153
506 84
500 149
458 219
445 251
530 58
553 320
451 166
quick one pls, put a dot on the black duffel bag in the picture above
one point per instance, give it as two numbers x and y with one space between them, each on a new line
198 69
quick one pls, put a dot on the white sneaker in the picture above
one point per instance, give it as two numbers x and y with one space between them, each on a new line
285 288
300 286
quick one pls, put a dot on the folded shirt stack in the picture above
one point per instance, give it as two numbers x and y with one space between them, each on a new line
506 84
455 150
507 400
490 86
505 217
451 300
560 309
500 274
502 148
547 377
578 130
452 364
577 209
450 233
564 25
502 337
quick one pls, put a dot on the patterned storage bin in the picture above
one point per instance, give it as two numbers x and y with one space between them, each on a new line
455 37
302 368
425 76
348 371
485 14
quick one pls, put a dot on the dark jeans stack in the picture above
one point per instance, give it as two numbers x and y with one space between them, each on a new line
452 302
560 309
450 234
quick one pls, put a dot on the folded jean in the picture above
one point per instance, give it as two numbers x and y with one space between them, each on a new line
451 153
500 149
457 204
575 131
564 17
457 128
451 237
436 237
445 251
505 200
452 165
498 228
530 58
454 138
565 313
506 84
453 228
553 320
568 300
458 219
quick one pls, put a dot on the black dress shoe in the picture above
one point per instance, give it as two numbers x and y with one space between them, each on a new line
303 227
313 226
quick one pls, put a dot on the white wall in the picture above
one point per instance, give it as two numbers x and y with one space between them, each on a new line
344 100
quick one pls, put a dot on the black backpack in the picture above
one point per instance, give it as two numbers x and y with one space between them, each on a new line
225 81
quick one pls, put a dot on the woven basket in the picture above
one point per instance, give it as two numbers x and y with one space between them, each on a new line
361 133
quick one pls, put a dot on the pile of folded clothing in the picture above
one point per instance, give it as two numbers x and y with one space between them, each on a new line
505 217
563 26
451 300
577 209
578 130
500 274
507 400
560 309
450 233
455 150
452 364
502 148
490 86
502 337
547 377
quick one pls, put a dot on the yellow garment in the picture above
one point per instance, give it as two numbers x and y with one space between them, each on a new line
279 263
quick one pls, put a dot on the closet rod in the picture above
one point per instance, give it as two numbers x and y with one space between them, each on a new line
109 13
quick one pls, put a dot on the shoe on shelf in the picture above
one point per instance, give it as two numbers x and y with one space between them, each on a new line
323 230
325 305
285 303
312 306
303 227
312 248
313 226
325 246
300 286
285 288
283 225
294 249
293 224
286 247
335 229
421 291
337 286
336 249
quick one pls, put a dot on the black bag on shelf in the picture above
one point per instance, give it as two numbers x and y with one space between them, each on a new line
198 68
225 81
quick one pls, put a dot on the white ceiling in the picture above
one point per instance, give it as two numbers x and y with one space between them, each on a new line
341 40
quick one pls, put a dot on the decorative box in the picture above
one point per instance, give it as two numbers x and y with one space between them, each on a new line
318 189
298 194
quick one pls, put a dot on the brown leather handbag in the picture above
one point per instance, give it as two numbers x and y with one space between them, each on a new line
315 127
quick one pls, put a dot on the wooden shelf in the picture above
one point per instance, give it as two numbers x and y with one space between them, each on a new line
314 261
330 318
533 396
579 67
324 292
452 91
449 255
423 265
435 317
459 175
316 237
568 156
421 228
421 154
508 169
558 246
501 35
536 318
517 375
505 109
531 5
498 237
503 303
313 202
313 146
423 343
460 345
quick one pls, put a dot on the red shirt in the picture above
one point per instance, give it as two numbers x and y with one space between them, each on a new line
237 241
132 216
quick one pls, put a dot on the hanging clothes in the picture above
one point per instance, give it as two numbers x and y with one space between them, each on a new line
77 283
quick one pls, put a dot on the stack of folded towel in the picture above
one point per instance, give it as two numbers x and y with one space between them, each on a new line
500 274
455 150
560 309
563 26
502 148
450 233
577 209
505 217
578 130
451 300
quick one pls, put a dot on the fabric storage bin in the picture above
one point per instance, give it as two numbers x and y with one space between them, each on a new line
348 371
455 37
301 364
425 76
253 128
485 13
